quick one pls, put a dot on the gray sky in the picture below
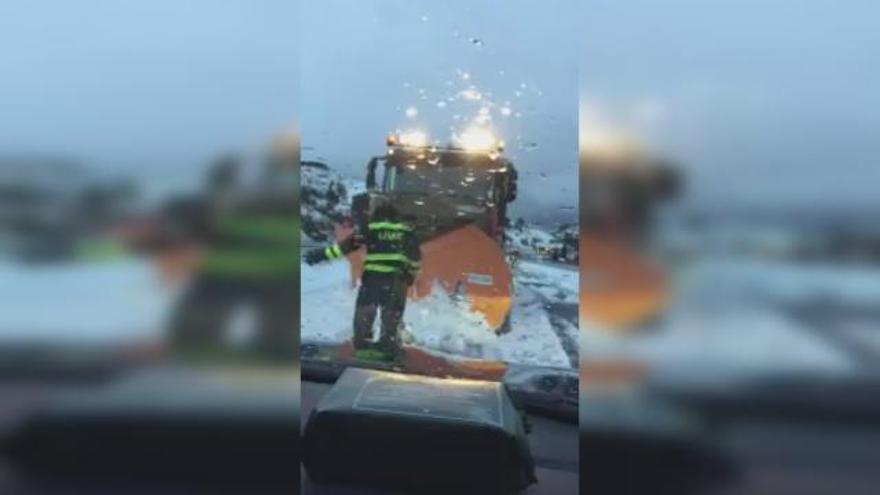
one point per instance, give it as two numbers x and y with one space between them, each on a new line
766 103
154 87
364 62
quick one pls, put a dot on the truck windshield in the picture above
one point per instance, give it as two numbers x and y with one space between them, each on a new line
459 181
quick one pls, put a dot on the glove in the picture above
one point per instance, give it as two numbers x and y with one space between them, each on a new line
314 257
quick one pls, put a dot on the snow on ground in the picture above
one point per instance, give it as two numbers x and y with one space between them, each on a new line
554 282
438 323
327 303
528 238
532 339
101 302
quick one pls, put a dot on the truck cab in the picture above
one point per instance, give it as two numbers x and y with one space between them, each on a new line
440 189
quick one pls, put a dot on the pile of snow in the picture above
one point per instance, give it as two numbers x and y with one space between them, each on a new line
440 323
436 323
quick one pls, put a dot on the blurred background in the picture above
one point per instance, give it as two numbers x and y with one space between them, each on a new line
730 251
148 244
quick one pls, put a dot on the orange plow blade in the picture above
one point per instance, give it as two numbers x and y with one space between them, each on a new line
465 261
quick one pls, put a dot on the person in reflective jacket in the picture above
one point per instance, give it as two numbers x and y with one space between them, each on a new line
391 265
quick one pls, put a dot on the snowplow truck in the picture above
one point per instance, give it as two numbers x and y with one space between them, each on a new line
456 202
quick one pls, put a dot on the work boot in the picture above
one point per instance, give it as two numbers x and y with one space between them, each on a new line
370 354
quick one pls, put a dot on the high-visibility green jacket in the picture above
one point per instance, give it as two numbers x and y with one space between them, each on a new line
392 248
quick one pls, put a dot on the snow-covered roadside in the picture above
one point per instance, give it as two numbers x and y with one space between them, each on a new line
557 283
440 324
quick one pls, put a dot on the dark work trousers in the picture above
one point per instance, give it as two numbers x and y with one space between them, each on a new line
385 293
205 308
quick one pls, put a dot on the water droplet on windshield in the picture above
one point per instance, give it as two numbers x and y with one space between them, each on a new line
543 176
441 104
424 18
493 155
419 202
411 112
505 111
434 159
476 42
470 94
